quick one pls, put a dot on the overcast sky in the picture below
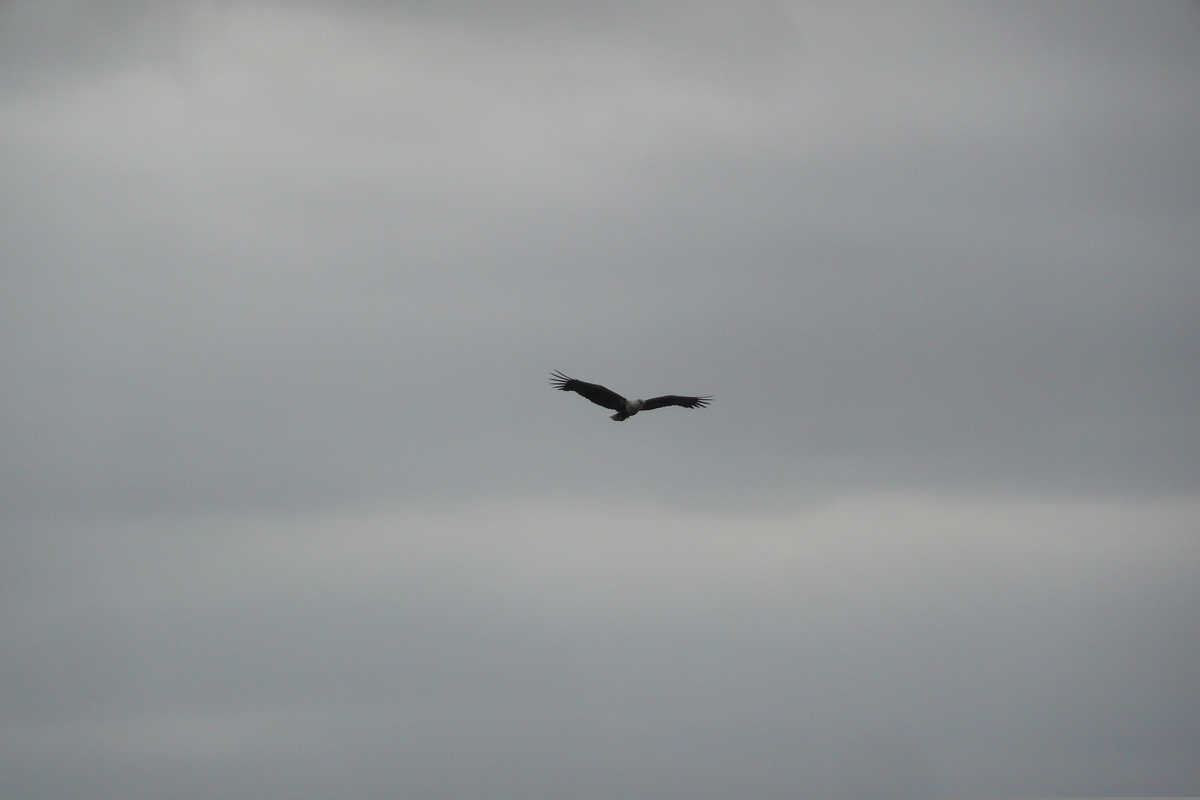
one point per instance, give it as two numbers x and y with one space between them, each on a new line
288 507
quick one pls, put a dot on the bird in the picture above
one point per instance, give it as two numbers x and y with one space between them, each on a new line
603 396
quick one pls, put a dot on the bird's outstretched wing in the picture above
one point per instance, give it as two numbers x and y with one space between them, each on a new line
598 394
676 400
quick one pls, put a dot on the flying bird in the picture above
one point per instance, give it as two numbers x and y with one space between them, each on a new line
625 409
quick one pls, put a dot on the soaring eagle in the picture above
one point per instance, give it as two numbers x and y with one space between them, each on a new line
624 408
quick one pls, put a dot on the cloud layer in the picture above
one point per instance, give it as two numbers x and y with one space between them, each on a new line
905 643
290 508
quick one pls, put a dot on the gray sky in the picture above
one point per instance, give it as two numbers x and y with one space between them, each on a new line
288 508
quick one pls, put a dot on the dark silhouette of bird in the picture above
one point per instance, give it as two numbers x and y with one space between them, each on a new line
603 396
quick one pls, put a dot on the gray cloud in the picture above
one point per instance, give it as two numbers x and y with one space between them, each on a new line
271 268
937 647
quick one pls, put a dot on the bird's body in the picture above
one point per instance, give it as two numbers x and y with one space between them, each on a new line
603 396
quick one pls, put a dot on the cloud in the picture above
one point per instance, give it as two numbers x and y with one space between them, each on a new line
288 501
953 639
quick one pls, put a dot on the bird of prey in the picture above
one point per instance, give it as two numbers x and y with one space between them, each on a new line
625 409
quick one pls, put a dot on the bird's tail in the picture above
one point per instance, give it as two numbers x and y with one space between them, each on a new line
620 416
